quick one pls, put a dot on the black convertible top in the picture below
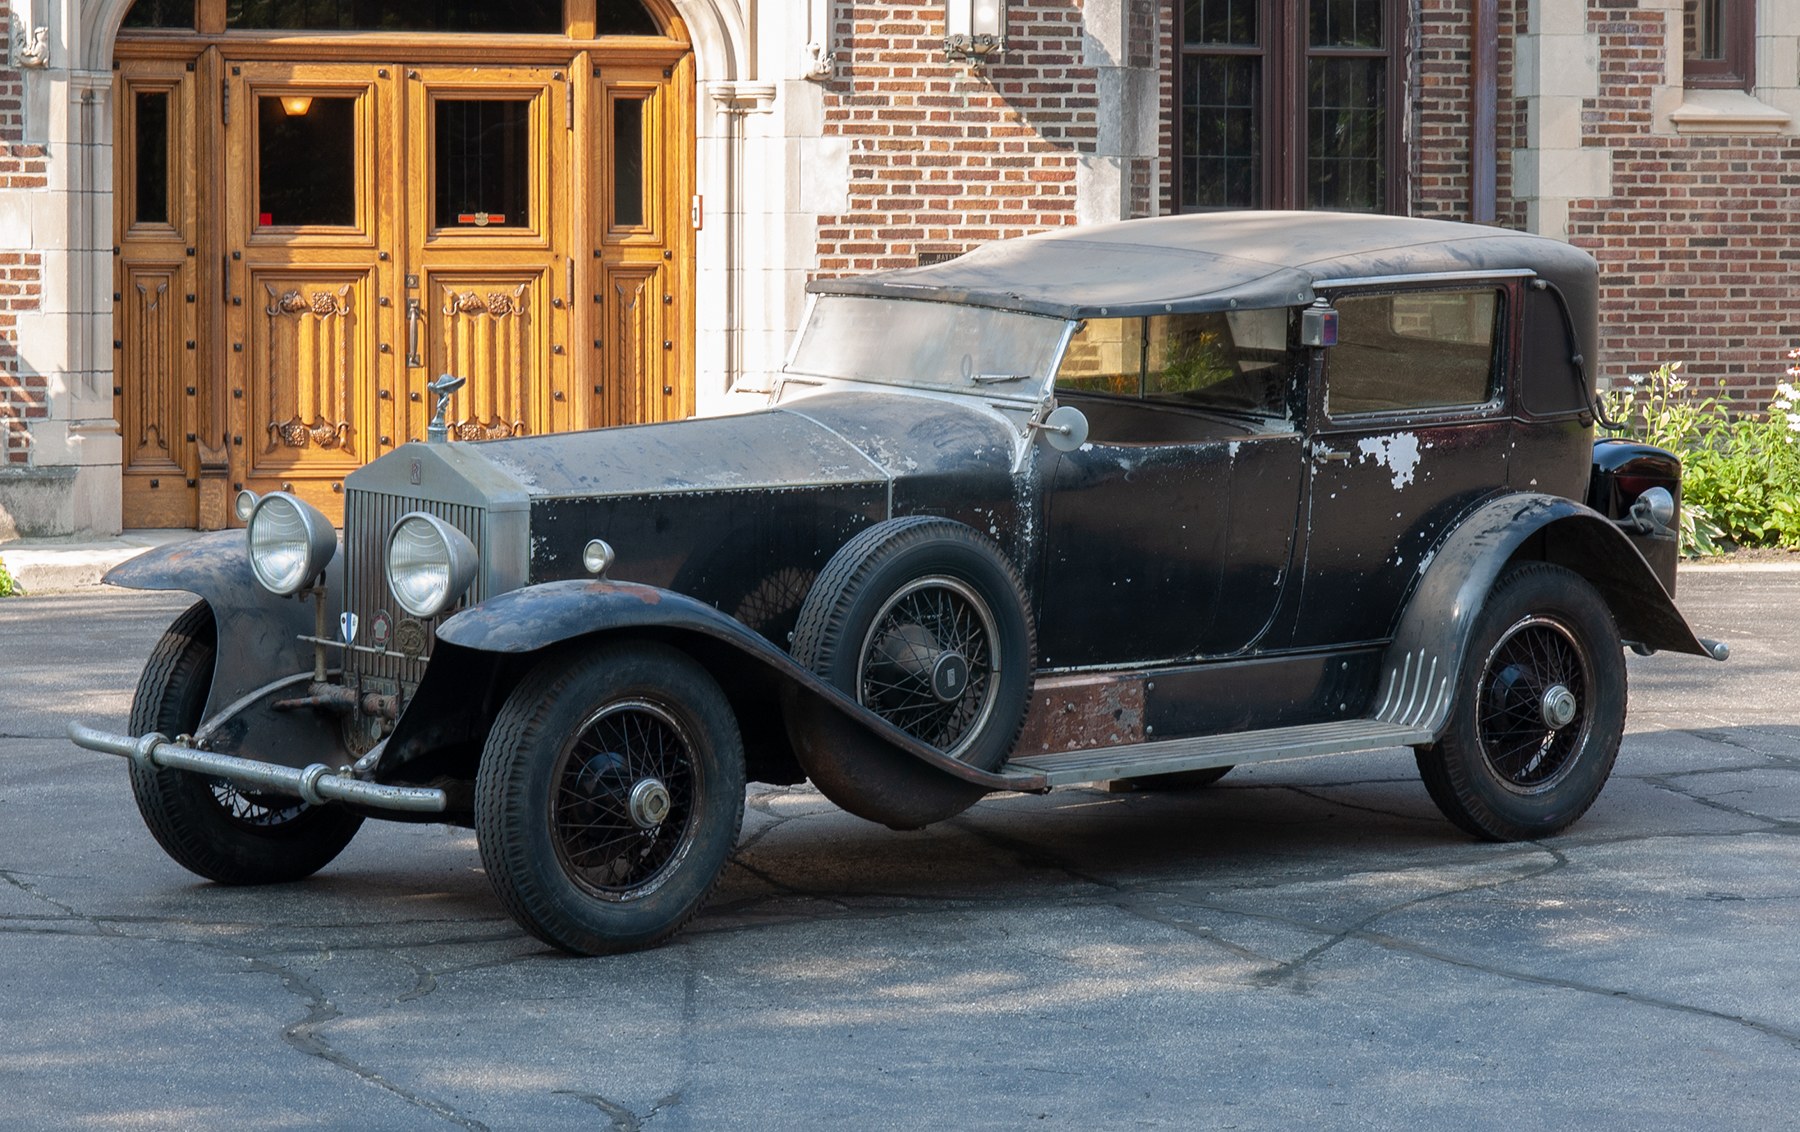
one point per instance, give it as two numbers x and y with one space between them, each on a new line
1218 261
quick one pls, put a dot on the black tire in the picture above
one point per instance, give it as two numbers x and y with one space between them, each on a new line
1181 779
210 827
924 622
610 795
1519 760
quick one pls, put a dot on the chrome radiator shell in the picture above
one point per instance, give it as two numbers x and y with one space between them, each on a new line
454 483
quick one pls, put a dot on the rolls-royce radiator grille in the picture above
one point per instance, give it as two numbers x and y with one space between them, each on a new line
368 517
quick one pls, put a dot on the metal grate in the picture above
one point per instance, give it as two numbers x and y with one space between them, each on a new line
368 517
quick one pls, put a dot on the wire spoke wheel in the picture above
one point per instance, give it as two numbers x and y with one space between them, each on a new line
212 827
253 809
930 662
1534 675
610 795
925 622
626 800
1535 726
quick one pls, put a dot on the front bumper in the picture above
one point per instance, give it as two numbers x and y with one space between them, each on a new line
316 784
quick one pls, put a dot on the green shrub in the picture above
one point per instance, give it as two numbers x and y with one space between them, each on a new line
1740 469
9 585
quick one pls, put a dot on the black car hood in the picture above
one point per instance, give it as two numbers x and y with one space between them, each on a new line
829 438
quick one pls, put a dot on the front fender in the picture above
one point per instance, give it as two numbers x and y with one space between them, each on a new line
1419 671
535 618
259 632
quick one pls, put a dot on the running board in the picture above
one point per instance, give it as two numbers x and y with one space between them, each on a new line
1101 764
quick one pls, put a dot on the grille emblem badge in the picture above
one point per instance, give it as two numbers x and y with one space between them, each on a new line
382 628
409 635
418 473
347 627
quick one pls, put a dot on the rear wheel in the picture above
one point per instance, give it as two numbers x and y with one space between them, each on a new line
1539 711
610 795
211 827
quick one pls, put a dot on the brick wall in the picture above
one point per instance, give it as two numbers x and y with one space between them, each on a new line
1440 132
1700 240
23 396
941 159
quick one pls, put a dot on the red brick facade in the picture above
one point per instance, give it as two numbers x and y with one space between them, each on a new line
941 160
1699 242
22 168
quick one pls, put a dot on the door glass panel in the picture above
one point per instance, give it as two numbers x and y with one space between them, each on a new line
544 17
1220 110
160 14
152 155
483 163
306 161
625 17
628 163
1346 110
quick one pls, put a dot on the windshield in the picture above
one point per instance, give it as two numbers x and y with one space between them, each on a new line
928 345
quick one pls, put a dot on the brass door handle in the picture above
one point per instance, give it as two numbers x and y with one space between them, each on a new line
1331 455
414 313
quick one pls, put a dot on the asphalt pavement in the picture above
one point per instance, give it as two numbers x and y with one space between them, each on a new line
1304 944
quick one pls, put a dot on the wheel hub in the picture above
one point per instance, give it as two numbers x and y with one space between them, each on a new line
649 803
1558 707
949 677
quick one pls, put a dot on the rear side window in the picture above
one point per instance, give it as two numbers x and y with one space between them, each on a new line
1417 350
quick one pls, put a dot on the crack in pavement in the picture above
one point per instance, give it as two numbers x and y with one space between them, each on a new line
304 1036
623 1118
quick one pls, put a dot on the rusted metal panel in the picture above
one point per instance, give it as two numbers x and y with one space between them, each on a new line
1073 713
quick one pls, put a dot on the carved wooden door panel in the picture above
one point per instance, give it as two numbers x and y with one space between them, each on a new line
641 222
311 165
489 276
157 392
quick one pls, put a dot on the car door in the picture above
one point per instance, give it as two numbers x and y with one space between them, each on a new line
1411 429
1168 535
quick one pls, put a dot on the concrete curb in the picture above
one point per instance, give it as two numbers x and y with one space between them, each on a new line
58 566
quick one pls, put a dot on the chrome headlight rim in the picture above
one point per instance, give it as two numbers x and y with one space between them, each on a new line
441 566
289 543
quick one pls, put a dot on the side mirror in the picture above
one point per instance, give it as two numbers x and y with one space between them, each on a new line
1066 428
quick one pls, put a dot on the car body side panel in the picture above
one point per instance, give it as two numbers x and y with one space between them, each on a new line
752 554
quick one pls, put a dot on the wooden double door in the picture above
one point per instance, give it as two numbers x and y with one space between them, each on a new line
304 246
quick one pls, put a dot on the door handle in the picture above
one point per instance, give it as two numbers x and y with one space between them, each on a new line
1330 455
414 313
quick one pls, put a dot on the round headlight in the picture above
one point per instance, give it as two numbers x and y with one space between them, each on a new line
290 542
429 564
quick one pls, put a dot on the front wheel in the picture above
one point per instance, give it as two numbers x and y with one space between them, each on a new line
211 827
1539 711
610 795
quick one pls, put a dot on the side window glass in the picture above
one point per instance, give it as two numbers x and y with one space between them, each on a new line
1412 351
1235 361
1105 356
1231 361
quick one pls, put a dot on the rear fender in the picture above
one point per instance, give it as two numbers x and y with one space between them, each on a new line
259 632
479 647
1419 671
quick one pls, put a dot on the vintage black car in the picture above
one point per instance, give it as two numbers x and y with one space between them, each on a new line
1142 501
